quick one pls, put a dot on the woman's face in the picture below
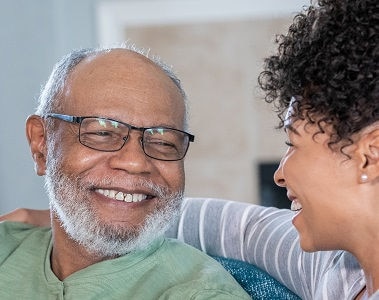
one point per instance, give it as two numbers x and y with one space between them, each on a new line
322 185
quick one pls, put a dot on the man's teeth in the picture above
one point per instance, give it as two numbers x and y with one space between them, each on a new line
120 196
295 205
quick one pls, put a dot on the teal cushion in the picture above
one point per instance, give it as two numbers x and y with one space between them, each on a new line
256 282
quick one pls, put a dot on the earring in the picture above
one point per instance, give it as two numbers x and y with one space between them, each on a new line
364 178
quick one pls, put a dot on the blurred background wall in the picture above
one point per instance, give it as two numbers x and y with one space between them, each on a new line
216 47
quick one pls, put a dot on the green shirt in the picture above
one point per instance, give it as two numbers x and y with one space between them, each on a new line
168 269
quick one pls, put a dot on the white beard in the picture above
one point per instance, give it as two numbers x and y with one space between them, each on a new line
70 203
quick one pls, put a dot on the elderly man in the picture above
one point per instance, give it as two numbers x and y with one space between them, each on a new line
109 137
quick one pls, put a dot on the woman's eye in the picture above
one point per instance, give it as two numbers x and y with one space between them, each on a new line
288 143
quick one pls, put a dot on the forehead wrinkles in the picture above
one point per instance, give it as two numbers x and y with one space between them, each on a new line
128 73
124 66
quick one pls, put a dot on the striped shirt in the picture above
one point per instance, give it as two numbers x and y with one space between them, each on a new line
265 237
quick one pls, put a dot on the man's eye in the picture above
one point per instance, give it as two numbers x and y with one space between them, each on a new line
161 146
102 133
160 143
98 134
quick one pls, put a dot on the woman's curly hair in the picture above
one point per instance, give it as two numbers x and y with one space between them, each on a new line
329 62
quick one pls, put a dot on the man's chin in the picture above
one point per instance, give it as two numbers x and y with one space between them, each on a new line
117 238
85 225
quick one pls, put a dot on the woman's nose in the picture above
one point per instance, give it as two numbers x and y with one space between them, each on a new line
278 175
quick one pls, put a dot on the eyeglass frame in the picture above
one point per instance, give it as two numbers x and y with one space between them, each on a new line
79 120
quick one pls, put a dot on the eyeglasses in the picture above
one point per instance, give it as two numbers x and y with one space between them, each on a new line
162 143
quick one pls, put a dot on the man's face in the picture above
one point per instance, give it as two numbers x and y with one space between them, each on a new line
87 184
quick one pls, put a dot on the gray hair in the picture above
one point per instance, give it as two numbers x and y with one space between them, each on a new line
48 100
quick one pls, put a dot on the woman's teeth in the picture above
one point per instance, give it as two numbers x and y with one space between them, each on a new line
120 196
295 206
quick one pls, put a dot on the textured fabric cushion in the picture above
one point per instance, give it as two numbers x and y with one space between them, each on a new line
257 283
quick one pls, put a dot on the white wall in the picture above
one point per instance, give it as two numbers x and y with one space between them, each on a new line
217 47
33 35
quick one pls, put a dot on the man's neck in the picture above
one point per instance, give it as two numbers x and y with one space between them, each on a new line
67 256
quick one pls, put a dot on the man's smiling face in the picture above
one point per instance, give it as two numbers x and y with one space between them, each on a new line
115 191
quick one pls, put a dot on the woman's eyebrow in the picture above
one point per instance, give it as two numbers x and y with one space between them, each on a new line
288 126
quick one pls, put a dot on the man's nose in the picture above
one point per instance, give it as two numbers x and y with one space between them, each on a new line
131 156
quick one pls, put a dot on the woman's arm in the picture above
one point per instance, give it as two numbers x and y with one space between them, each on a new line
30 216
265 237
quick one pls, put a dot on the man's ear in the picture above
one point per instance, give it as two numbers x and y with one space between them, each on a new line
368 153
35 133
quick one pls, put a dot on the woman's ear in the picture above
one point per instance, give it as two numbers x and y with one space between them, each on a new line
368 153
35 133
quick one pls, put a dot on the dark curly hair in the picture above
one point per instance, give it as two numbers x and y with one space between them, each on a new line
329 62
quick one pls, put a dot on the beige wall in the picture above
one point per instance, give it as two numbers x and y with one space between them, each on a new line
218 63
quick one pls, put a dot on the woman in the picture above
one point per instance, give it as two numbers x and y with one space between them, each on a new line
324 84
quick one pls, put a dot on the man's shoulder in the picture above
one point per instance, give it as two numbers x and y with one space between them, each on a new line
201 274
177 248
190 259
18 230
12 234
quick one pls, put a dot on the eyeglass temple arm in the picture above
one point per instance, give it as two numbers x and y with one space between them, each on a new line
67 118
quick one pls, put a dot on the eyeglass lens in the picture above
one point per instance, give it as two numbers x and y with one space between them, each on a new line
109 135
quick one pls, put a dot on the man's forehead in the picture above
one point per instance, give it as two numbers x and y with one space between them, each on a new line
123 92
118 67
115 58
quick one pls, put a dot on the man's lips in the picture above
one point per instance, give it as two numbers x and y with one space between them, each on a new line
120 196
